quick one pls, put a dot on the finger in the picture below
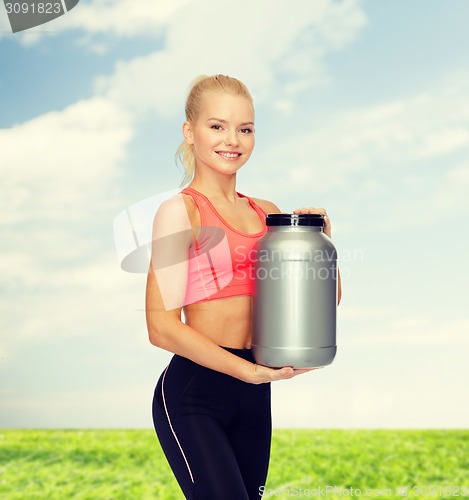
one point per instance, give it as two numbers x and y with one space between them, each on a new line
306 210
286 372
304 370
311 210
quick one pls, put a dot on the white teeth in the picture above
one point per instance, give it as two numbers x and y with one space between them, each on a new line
229 155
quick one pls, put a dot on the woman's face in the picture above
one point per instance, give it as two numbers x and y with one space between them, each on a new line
223 135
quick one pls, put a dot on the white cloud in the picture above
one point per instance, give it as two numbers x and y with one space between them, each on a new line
5 27
421 332
335 22
393 133
56 170
326 402
452 197
444 141
50 297
259 48
122 18
390 368
85 408
398 327
118 18
54 163
252 28
398 157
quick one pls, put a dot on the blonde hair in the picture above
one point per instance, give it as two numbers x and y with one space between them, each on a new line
200 85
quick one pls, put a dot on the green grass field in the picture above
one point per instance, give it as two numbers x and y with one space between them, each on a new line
129 464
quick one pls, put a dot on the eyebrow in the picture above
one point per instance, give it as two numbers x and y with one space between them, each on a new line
224 121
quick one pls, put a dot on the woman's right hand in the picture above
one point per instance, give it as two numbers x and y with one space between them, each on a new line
262 374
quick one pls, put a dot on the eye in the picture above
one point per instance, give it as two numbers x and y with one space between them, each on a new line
247 130
215 127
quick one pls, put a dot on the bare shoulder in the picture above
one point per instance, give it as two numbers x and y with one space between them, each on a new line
267 206
189 201
176 206
175 215
192 210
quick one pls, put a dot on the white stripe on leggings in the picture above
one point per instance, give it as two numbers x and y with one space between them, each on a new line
172 430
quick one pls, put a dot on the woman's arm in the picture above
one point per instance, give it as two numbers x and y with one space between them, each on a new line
167 331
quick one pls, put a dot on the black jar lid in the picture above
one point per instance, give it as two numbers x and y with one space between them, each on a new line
295 220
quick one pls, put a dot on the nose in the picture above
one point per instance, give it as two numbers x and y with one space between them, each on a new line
231 138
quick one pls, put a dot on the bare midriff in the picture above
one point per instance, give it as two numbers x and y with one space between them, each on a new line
226 322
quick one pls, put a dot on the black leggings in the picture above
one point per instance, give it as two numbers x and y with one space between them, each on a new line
214 429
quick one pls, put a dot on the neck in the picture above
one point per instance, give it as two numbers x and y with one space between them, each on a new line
216 186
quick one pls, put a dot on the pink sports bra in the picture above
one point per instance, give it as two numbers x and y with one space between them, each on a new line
220 262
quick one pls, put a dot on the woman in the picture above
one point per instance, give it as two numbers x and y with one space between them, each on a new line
212 406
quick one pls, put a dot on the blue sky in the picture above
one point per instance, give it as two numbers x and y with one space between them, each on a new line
361 108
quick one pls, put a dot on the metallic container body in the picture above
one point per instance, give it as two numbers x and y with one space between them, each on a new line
295 298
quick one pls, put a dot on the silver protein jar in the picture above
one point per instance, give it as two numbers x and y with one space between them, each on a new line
295 293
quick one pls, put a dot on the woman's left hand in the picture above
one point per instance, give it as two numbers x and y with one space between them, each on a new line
312 210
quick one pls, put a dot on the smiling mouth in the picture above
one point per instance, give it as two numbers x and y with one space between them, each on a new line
227 155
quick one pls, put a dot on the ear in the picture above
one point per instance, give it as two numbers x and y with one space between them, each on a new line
187 131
